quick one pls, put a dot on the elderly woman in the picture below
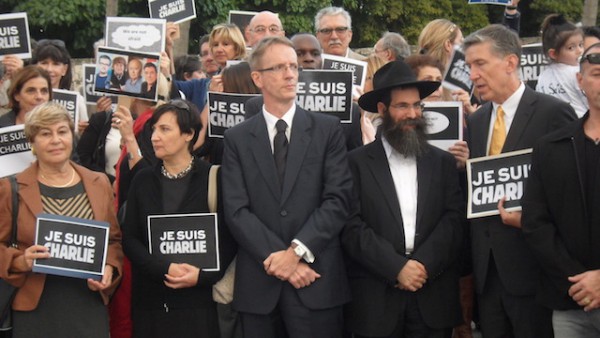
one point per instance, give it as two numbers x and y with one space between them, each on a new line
29 88
48 304
171 299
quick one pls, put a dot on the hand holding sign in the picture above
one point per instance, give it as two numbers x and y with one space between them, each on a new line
509 218
12 64
35 252
107 279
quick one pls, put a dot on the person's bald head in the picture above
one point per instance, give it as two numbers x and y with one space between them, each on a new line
262 25
308 50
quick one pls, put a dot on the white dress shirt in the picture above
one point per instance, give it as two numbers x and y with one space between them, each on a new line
510 109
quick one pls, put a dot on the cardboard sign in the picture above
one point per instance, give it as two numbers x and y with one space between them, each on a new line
357 67
493 177
69 100
491 2
225 110
140 83
444 123
533 63
91 96
326 91
15 151
78 247
186 238
176 11
136 34
14 35
241 19
458 73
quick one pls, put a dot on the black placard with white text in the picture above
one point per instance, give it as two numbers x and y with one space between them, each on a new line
533 63
67 99
458 73
493 177
326 91
225 110
15 150
14 35
186 238
357 67
91 96
78 247
176 11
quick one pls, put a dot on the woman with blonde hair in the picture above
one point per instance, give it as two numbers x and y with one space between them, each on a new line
438 39
226 43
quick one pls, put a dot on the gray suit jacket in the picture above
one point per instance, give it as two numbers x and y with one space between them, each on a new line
537 115
312 206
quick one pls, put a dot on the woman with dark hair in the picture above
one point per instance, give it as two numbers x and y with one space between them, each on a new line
172 299
188 67
52 55
30 87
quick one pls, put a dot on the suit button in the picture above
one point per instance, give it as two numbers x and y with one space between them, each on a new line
283 213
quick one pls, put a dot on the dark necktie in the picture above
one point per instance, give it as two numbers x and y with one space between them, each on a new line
280 146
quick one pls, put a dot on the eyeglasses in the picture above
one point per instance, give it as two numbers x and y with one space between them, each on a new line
378 51
58 43
418 107
593 58
338 30
281 68
262 29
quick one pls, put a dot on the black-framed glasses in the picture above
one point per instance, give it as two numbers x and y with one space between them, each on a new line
418 107
593 58
338 30
281 68
274 29
53 42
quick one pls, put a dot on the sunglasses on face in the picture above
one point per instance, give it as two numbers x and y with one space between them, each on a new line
593 58
57 43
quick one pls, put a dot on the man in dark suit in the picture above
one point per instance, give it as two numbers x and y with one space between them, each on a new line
506 273
404 234
561 214
287 190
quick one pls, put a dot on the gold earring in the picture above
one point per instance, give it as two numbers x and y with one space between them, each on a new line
33 151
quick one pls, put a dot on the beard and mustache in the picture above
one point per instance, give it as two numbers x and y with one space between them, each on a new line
407 137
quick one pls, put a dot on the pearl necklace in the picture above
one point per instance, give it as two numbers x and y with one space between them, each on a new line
180 174
60 186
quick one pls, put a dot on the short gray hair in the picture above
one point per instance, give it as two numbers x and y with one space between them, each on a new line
396 43
332 11
504 41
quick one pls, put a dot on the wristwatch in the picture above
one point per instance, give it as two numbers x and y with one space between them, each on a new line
298 250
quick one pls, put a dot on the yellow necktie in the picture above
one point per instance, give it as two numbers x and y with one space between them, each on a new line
499 133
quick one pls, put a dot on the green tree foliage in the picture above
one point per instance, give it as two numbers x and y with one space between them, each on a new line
572 9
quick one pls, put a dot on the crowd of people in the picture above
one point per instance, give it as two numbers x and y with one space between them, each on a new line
324 229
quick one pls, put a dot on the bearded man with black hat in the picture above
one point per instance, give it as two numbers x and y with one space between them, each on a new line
404 235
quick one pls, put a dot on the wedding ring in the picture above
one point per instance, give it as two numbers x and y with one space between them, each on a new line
117 121
586 301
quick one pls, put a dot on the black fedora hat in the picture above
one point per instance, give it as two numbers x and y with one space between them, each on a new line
393 75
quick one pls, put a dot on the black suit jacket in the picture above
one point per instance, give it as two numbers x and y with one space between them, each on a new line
537 115
374 239
312 207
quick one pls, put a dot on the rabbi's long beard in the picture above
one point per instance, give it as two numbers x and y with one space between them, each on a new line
407 137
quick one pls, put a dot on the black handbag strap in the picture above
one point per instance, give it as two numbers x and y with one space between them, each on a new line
15 209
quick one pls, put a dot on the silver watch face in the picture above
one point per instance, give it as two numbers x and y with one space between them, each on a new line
298 250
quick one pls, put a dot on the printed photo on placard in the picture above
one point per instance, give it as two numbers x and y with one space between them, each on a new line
493 177
326 91
15 150
141 73
357 67
14 35
241 19
118 75
143 35
533 63
458 74
176 11
225 110
77 246
186 238
68 99
444 123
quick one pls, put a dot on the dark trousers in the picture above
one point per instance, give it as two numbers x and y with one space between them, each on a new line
291 319
503 315
412 325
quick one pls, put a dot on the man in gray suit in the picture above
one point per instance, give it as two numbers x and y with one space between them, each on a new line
286 188
515 117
